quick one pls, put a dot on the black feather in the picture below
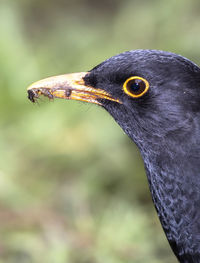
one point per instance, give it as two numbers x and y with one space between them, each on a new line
165 124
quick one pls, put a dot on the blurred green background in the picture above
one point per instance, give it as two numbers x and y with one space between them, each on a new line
72 185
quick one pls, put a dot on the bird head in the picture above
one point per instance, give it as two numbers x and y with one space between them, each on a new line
155 98
149 93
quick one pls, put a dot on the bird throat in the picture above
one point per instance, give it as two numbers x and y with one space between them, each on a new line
172 169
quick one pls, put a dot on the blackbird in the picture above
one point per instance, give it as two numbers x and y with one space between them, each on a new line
155 97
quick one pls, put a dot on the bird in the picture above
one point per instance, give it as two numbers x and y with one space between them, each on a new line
154 96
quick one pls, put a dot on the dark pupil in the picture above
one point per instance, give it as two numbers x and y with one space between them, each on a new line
136 86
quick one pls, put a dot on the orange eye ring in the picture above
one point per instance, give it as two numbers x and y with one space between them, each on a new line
135 86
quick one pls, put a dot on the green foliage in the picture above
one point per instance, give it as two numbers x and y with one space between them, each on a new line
72 185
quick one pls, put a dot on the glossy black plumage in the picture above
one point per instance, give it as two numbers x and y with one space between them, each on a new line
165 125
164 122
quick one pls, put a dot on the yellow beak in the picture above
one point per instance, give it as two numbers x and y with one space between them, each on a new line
68 86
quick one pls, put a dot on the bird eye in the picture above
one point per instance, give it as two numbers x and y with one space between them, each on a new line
135 86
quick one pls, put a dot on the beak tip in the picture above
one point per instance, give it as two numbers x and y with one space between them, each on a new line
31 95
